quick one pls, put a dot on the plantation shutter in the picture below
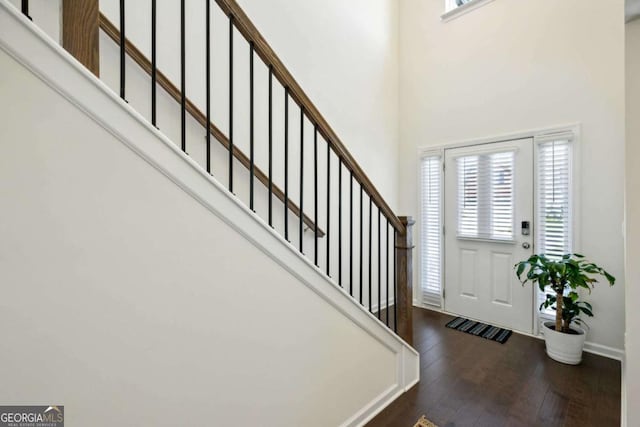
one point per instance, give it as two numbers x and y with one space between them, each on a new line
431 230
485 196
554 216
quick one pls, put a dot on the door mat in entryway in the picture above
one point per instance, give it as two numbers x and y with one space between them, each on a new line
424 422
479 329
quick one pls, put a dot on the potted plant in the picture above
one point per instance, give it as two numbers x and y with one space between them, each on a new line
564 338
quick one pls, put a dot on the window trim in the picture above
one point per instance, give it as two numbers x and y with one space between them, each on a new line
481 197
575 201
420 301
452 13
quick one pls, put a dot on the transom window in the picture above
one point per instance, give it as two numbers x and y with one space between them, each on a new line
452 4
454 8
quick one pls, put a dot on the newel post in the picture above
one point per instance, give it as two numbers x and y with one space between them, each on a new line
80 32
404 279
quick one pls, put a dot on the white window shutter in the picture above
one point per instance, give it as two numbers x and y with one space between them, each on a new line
468 196
431 230
501 203
554 199
485 196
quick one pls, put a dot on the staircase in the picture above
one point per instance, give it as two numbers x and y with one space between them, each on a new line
263 160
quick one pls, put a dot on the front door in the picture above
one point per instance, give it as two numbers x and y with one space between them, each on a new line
488 228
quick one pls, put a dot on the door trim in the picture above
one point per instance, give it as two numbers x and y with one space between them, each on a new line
536 134
486 148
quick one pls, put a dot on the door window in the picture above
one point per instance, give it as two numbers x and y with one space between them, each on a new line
485 196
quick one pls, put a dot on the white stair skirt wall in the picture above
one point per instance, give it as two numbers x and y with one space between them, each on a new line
138 287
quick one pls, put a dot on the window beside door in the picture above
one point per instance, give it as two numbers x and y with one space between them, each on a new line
489 214
431 229
554 212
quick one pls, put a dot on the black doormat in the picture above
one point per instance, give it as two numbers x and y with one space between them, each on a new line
479 329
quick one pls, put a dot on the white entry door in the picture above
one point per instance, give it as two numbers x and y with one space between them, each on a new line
488 223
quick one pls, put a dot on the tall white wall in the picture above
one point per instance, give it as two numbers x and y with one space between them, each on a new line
47 14
513 66
632 193
159 304
345 56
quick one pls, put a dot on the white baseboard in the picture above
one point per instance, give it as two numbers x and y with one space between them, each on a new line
603 350
623 388
386 398
429 307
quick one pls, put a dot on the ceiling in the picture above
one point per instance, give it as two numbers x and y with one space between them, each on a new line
632 10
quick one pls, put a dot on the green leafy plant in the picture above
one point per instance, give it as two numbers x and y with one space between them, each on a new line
569 273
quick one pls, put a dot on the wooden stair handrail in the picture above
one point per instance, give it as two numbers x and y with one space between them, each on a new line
144 63
262 48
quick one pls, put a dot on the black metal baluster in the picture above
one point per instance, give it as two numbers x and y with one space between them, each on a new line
315 194
154 67
351 234
395 285
339 221
328 232
286 163
122 49
370 244
379 268
25 8
231 103
301 216
387 269
251 142
208 89
271 145
183 97
361 242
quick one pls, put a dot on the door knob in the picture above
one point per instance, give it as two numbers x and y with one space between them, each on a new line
526 245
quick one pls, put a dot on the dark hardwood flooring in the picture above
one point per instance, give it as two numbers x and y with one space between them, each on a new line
470 381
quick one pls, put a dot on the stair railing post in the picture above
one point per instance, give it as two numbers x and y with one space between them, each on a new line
80 32
404 279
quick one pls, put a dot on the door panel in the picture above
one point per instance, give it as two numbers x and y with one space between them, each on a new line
501 283
467 270
488 192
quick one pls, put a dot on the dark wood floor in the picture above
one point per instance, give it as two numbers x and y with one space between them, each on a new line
471 381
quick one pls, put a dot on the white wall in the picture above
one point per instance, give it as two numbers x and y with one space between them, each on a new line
127 294
344 54
46 14
632 193
513 66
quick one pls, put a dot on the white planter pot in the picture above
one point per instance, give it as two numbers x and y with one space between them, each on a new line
564 348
